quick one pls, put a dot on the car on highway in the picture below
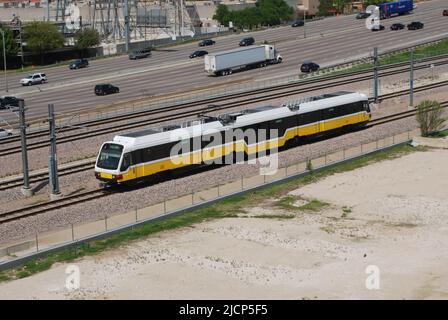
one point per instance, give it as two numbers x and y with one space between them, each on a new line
5 132
362 15
206 42
247 41
445 13
35 78
9 101
80 63
198 53
298 23
415 25
309 66
378 27
105 88
397 26
140 54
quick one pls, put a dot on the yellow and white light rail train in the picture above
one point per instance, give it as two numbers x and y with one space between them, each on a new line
149 154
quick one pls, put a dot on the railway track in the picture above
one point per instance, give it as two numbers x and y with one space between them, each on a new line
42 176
196 108
137 114
39 208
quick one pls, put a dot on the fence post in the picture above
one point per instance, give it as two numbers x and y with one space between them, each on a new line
343 153
73 233
136 214
164 206
242 185
105 222
37 243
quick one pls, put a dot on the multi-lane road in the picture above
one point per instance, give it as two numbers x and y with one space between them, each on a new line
169 70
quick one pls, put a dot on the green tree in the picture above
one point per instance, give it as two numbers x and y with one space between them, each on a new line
41 36
86 38
430 117
324 7
11 46
223 15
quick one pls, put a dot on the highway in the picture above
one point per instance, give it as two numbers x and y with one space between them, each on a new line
170 70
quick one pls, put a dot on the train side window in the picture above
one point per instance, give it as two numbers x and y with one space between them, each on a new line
137 156
146 155
126 162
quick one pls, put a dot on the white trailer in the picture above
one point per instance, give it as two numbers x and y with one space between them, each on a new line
225 62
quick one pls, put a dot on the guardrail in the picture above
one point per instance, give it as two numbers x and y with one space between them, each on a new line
45 243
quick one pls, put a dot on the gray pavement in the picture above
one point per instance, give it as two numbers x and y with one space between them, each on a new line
169 70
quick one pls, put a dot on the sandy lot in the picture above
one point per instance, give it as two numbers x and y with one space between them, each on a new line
395 219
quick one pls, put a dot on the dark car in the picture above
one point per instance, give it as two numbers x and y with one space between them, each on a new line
362 15
415 25
198 53
397 26
445 13
308 66
247 42
378 28
139 54
206 42
298 23
9 101
80 63
105 88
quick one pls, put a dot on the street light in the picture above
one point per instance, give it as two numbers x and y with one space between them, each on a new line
4 58
304 23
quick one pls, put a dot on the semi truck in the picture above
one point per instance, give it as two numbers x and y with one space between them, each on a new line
389 9
225 62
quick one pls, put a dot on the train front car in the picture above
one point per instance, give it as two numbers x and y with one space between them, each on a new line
108 163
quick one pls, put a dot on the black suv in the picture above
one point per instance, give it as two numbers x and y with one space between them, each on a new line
9 101
397 26
298 23
105 88
308 66
247 41
139 54
415 25
80 63
206 42
362 15
198 53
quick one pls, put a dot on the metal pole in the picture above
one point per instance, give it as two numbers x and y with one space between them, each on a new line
4 58
26 181
375 74
181 18
411 80
48 10
304 23
53 166
126 24
145 22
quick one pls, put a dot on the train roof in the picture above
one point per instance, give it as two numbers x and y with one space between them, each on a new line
174 132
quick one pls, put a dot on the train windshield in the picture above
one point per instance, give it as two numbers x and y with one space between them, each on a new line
110 156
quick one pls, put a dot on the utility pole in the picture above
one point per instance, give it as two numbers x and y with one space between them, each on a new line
126 24
304 23
26 180
375 74
181 18
411 80
48 10
145 23
53 164
4 58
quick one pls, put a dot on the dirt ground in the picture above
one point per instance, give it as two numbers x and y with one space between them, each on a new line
385 224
